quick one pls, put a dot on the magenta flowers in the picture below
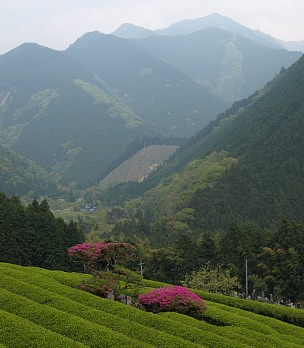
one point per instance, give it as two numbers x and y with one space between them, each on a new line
96 255
173 299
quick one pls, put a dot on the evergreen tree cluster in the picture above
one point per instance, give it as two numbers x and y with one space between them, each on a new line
32 236
275 257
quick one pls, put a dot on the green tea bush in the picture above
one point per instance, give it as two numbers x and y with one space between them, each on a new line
19 332
65 324
288 315
209 337
293 332
238 334
124 326
56 291
233 319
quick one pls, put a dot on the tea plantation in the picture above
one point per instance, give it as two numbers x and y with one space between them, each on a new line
42 308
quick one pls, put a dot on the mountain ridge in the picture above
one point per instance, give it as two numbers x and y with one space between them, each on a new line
262 138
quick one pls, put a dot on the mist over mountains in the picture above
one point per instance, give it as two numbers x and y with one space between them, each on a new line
189 26
74 112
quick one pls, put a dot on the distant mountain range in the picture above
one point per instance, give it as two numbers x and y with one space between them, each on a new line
229 65
74 112
189 26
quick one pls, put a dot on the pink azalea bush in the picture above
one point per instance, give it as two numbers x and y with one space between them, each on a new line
99 256
95 255
173 299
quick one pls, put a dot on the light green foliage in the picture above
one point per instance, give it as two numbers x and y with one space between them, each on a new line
116 108
46 304
18 174
37 103
212 279
285 314
22 333
237 334
43 98
231 79
173 196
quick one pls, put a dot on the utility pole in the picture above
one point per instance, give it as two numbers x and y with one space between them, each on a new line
141 267
246 276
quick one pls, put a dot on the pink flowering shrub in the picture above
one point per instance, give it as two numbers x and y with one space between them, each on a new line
96 255
88 254
173 299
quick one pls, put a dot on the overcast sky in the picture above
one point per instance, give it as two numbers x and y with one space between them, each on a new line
58 23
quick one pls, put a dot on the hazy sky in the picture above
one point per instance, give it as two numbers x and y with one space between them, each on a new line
58 23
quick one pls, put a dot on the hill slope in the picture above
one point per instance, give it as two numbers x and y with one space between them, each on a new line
21 176
231 66
41 308
139 166
60 116
170 102
267 183
262 137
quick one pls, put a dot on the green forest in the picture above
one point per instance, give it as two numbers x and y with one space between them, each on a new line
32 236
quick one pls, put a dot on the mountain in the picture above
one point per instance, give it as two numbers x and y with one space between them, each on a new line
293 45
229 65
245 166
170 102
189 26
59 115
216 20
131 31
21 176
75 112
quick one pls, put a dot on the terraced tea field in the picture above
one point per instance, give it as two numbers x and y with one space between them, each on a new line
42 308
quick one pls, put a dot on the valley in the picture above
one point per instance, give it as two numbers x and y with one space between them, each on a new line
184 144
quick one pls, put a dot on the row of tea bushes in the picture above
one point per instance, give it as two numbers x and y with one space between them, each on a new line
65 324
241 335
129 328
286 334
51 301
286 314
283 313
278 326
19 332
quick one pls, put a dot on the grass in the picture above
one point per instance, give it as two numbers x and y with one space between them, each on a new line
42 308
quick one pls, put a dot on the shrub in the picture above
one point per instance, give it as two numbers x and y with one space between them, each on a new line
97 255
101 285
212 279
173 299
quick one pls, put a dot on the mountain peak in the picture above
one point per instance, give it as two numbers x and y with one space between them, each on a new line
190 26
132 31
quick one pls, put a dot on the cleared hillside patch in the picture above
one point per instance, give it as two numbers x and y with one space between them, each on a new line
139 166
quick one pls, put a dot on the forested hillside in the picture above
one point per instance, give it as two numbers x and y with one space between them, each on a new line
265 183
32 236
170 102
21 176
76 112
230 66
57 114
